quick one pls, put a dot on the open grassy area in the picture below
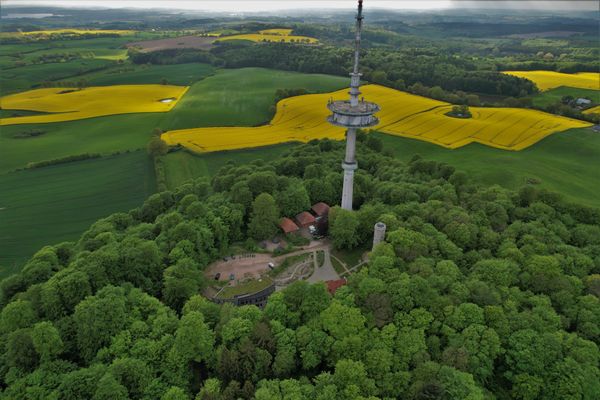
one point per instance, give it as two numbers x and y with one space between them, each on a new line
241 97
252 286
567 162
181 166
289 262
552 96
337 266
53 204
350 257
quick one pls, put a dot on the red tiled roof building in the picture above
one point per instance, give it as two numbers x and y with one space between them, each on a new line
332 286
320 209
305 219
287 225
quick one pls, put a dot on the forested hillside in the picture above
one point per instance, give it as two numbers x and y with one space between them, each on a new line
478 293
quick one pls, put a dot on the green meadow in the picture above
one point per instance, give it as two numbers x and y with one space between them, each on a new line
555 95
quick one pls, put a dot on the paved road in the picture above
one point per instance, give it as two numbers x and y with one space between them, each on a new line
324 273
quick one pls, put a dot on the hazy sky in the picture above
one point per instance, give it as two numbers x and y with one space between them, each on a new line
274 5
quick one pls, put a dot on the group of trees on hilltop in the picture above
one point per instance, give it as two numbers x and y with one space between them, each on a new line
397 69
477 293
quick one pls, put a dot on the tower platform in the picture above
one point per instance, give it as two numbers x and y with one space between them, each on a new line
348 116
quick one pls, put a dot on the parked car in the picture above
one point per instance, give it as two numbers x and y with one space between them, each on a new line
231 277
225 258
217 276
271 265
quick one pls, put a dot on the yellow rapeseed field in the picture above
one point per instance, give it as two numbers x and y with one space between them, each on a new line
303 118
271 35
593 110
283 32
69 104
549 79
67 31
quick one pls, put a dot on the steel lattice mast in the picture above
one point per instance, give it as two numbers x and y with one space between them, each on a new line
352 114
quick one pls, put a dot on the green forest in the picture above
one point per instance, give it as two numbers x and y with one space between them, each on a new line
479 292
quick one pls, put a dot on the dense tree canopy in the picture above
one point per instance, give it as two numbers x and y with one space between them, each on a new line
477 293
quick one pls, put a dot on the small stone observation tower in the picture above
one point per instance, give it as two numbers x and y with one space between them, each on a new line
352 114
378 234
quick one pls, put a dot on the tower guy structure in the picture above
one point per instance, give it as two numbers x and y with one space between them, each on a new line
352 114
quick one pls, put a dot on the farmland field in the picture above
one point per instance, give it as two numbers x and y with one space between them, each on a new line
67 32
68 104
555 95
176 74
566 162
94 135
593 110
299 119
241 97
181 166
549 79
56 203
271 35
219 99
29 76
181 42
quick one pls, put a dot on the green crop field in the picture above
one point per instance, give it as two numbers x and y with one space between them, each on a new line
241 97
94 135
552 96
54 204
181 166
177 74
566 163
30 76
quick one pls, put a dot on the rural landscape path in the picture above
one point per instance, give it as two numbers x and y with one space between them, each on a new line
326 272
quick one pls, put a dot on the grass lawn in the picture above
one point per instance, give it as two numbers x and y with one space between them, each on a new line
57 203
567 162
339 268
350 257
252 286
181 166
288 262
551 96
320 258
241 97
